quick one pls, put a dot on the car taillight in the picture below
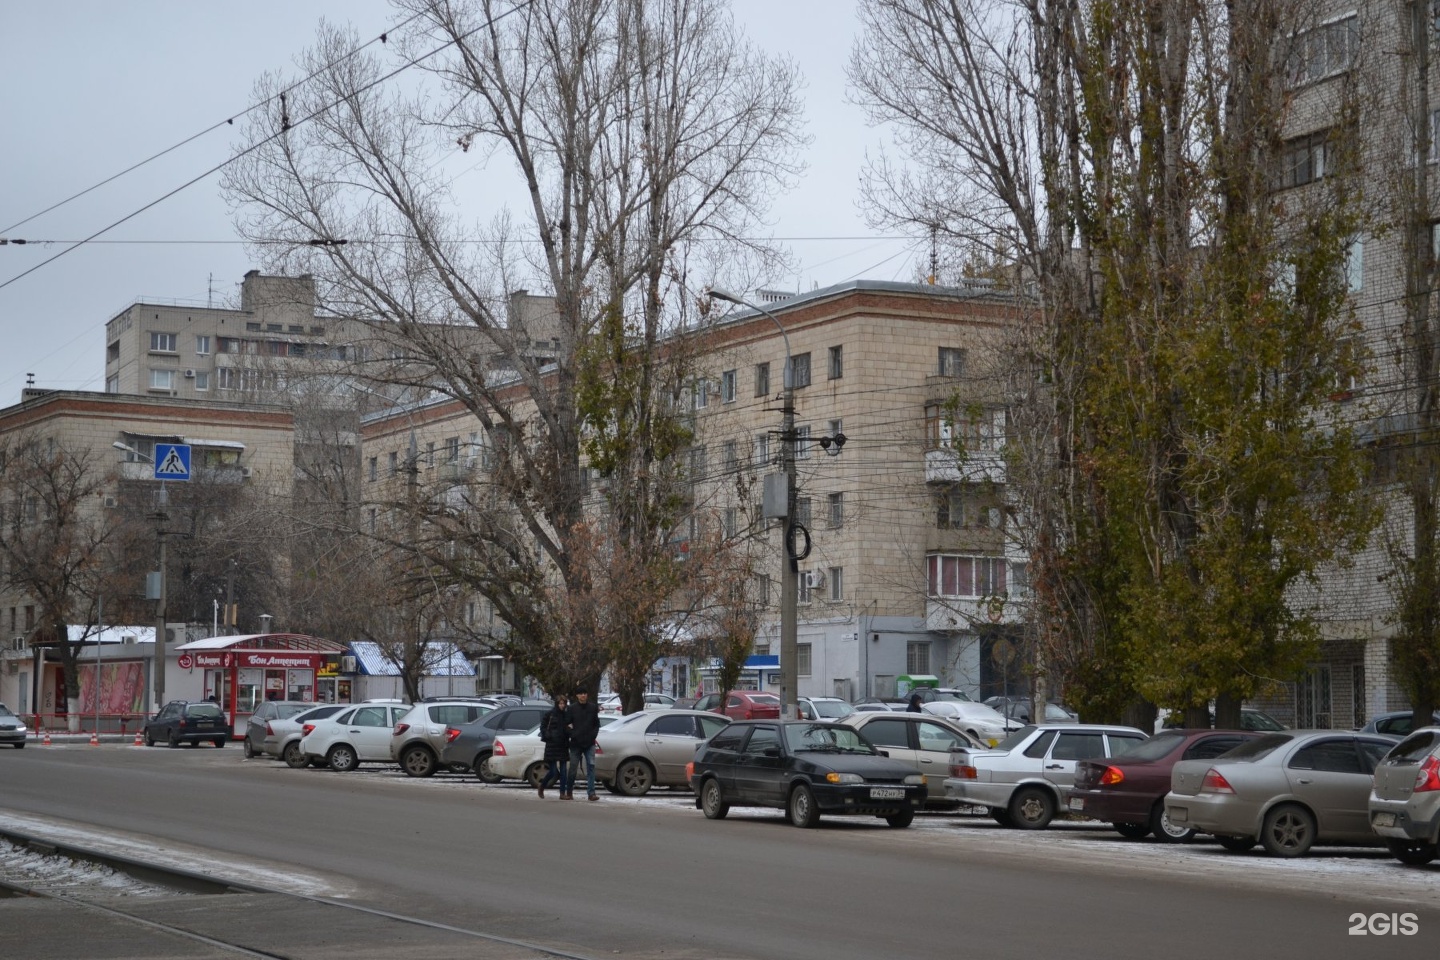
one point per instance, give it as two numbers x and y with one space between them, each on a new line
182 723
1112 776
451 733
268 731
963 772
306 730
1428 776
690 770
498 750
399 729
599 751
1214 783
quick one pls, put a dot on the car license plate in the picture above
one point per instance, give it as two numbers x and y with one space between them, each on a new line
1077 803
1384 819
886 793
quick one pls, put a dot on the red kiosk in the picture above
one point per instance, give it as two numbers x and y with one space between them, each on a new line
242 672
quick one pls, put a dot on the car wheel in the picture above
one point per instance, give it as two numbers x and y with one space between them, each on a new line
712 801
483 771
535 773
149 739
1164 830
1412 853
292 756
634 778
1032 808
417 761
901 820
219 743
1001 816
1132 831
174 739
1236 844
342 758
801 808
20 745
1289 831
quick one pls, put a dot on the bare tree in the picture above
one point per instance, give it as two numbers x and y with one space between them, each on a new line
646 136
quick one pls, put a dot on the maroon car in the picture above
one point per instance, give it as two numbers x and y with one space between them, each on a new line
1128 792
742 705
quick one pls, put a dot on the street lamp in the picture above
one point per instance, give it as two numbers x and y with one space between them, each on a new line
789 570
158 663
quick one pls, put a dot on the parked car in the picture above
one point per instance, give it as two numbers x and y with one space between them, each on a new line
470 745
419 738
285 735
12 728
1287 790
1128 792
1397 723
922 741
981 722
647 749
257 730
1404 801
360 734
1250 719
823 708
878 704
521 756
1023 778
804 768
610 703
742 705
188 721
1019 709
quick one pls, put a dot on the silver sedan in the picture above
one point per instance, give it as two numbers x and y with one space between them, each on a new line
1287 790
651 748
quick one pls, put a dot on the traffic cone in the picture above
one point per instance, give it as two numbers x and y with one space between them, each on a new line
45 740
139 741
95 739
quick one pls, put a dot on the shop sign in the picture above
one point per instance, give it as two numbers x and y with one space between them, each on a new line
184 662
276 660
214 659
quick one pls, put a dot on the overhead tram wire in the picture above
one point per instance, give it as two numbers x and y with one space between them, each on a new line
228 121
260 143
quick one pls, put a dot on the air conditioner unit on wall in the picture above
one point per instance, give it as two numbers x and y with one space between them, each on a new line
246 472
189 374
815 579
347 664
112 502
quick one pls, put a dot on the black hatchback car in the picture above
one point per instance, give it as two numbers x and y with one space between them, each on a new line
804 768
188 721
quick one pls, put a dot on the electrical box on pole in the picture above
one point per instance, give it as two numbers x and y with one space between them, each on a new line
775 504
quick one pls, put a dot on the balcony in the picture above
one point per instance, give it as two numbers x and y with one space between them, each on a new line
943 465
952 614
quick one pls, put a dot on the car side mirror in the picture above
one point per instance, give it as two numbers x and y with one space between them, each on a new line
770 752
883 753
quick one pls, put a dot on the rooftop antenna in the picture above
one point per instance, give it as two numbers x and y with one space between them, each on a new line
210 292
29 379
934 251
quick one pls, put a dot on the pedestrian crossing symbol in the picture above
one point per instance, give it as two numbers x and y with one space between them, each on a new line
172 461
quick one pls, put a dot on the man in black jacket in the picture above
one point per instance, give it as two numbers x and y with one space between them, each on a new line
582 725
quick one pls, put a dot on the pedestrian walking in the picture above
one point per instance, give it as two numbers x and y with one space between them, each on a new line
914 706
582 724
557 747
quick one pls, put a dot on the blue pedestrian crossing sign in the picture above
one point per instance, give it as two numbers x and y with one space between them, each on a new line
172 461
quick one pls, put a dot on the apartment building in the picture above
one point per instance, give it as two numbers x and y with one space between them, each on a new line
910 554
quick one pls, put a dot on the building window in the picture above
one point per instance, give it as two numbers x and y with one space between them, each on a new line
802 659
697 463
804 592
1312 699
802 511
202 345
374 469
917 658
727 386
837 583
762 450
956 576
226 379
800 370
952 362
202 381
836 369
1325 51
162 379
802 442
452 449
762 590
112 384
393 463
836 505
162 342
949 509
1307 159
731 522
700 394
112 352
762 379
729 457
373 512
978 431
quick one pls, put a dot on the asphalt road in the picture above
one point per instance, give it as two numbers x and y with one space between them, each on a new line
652 878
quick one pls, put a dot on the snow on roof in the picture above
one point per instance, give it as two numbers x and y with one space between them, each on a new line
441 660
116 634
265 641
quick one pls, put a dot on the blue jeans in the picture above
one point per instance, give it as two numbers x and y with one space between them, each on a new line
576 755
555 774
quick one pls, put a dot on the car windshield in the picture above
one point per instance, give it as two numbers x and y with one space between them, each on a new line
1253 750
1015 739
1255 720
210 710
952 695
5 711
825 738
832 709
1160 745
288 710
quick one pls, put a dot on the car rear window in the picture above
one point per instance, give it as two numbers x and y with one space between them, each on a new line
1158 746
769 699
1415 747
1257 748
210 711
288 710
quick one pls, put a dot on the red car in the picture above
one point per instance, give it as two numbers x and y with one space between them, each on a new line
1128 792
742 705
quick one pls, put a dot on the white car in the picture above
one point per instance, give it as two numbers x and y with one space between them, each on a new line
521 756
610 703
352 737
985 724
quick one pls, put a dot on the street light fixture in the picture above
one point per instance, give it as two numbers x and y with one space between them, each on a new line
789 569
162 501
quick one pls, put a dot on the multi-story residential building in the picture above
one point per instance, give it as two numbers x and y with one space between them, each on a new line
910 557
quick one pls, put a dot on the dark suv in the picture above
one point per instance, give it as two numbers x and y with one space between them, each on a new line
187 721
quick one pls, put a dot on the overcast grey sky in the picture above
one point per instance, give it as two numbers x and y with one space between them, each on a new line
93 87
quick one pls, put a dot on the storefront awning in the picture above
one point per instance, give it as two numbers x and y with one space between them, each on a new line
264 641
